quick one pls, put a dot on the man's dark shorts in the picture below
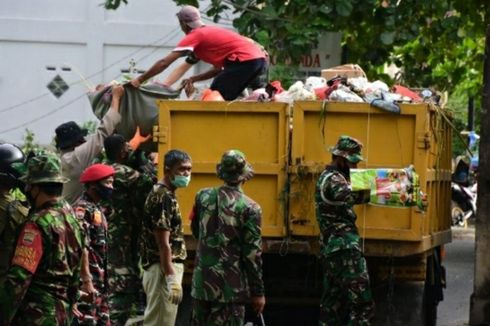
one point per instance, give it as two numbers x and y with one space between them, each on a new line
236 76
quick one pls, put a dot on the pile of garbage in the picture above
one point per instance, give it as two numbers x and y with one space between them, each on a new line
346 83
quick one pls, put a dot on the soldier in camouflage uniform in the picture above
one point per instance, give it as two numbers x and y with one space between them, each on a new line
164 250
127 207
98 180
13 213
228 265
346 298
42 282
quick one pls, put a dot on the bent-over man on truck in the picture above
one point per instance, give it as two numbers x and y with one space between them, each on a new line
346 298
236 60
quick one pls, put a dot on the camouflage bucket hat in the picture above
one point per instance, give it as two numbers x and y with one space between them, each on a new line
234 167
44 168
348 147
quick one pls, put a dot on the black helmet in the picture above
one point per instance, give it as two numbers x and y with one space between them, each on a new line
11 164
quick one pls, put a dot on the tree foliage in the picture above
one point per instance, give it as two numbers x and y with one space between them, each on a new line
437 44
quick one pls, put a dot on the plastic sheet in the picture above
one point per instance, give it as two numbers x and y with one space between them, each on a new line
389 187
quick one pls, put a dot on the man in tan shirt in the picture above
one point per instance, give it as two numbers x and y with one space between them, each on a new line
78 152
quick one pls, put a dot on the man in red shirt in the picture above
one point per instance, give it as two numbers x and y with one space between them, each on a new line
236 60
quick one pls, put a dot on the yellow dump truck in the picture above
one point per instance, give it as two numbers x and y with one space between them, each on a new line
288 148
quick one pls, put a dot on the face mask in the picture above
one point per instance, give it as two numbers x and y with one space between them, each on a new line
345 170
104 192
181 181
30 198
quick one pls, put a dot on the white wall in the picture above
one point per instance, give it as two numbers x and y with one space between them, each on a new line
75 38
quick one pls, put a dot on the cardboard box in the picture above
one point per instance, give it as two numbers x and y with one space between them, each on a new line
347 70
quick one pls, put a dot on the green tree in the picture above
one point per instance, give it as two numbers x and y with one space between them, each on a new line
437 44
29 142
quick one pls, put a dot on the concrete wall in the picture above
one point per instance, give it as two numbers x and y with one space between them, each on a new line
77 40
72 38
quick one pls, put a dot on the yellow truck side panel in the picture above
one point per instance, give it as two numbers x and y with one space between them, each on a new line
417 136
206 129
287 162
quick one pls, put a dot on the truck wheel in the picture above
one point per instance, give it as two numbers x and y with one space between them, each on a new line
429 310
433 285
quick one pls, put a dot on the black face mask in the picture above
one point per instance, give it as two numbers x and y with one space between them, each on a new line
104 192
345 170
30 198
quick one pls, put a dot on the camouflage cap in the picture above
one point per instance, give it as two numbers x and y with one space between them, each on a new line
349 148
44 167
234 167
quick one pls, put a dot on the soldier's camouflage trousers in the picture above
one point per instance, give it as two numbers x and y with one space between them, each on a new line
346 298
92 314
125 296
206 313
42 310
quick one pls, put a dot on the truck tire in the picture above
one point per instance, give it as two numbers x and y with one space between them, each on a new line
408 302
429 309
435 281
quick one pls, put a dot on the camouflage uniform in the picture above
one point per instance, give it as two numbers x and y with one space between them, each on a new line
42 282
346 298
162 212
228 265
94 225
12 215
124 219
13 211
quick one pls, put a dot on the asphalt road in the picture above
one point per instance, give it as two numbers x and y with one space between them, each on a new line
459 263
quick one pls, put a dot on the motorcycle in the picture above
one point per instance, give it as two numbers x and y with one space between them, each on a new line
463 203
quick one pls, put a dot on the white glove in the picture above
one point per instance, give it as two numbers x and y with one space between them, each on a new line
174 289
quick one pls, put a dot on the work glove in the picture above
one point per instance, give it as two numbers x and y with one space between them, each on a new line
174 289
138 139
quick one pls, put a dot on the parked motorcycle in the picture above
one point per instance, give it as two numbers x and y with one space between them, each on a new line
463 203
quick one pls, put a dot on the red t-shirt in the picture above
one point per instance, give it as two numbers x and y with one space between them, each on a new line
214 45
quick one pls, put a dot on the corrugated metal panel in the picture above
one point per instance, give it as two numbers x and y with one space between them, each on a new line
417 136
206 129
289 154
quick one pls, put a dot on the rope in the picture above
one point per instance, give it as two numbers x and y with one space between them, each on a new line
368 132
453 127
43 116
167 37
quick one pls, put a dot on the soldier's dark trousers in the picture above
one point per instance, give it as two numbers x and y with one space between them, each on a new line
123 297
346 298
207 313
